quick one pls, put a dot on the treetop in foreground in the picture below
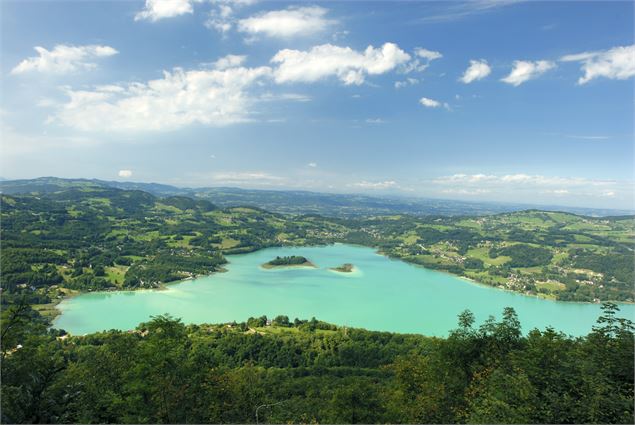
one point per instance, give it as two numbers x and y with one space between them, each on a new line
307 371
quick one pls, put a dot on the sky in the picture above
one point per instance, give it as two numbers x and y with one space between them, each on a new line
489 100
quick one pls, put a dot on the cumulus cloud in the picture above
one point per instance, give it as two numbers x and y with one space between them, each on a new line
215 97
180 98
617 63
125 173
427 54
375 121
312 164
429 103
155 10
230 61
292 22
327 60
477 70
64 59
526 70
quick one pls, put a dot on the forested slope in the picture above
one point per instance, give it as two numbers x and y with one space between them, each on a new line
310 372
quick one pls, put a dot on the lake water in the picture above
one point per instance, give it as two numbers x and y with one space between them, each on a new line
381 294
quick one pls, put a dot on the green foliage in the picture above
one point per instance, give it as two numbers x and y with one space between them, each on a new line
523 255
167 372
288 261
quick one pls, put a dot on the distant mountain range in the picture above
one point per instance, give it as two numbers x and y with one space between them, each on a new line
299 202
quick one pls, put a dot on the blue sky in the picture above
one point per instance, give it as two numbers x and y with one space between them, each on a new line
485 100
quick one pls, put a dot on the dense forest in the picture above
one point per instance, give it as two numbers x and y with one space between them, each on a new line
307 371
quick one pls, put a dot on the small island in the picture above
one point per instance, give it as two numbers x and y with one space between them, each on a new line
290 261
344 268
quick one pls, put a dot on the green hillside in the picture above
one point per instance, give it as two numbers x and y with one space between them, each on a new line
92 238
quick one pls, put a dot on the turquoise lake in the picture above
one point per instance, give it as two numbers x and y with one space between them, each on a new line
381 294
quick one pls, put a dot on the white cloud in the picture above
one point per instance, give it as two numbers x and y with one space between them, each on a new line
526 70
375 121
427 54
429 103
326 60
180 98
617 63
221 16
220 25
64 59
215 97
160 9
230 61
312 164
293 22
375 185
125 173
416 65
477 70
405 83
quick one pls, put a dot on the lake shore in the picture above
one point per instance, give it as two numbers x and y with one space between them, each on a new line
389 296
53 311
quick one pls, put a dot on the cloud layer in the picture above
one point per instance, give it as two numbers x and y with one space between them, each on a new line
475 184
